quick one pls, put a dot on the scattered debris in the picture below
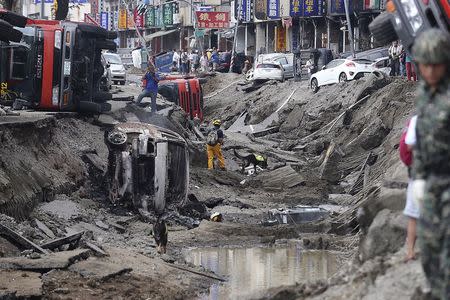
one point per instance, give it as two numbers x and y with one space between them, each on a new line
297 215
216 217
70 239
44 229
93 268
20 240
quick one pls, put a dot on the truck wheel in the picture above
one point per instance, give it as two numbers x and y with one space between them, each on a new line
382 29
106 44
100 97
93 30
8 33
13 18
314 85
111 35
63 9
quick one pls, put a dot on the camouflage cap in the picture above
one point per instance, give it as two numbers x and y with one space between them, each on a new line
432 47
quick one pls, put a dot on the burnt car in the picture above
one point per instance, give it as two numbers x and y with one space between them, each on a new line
148 166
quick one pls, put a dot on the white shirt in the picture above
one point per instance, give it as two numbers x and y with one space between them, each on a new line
175 57
410 138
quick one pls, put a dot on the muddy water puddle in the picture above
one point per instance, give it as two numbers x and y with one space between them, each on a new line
252 270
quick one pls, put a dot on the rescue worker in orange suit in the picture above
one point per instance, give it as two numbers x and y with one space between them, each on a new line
214 141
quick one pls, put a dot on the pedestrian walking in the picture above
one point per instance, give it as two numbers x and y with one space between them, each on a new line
394 53
151 79
195 61
407 142
175 60
410 70
431 166
215 59
184 59
214 141
204 62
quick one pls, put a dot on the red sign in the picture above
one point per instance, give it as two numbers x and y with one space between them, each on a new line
138 19
209 19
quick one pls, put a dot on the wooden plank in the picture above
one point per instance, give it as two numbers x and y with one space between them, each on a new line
44 229
62 241
21 240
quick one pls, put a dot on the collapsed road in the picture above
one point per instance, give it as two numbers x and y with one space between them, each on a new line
79 195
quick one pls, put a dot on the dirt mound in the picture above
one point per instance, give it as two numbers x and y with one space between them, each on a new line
42 158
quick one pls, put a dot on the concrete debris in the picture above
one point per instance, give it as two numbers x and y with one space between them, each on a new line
285 177
20 240
64 209
20 285
44 229
93 268
102 225
58 260
69 239
96 249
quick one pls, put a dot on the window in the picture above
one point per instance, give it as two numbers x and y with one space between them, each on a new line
335 63
19 57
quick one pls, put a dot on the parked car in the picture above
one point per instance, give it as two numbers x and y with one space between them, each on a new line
340 70
268 71
383 64
105 81
118 73
285 59
372 54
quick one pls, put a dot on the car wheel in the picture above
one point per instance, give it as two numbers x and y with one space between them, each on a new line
249 75
122 82
382 29
342 77
62 10
314 85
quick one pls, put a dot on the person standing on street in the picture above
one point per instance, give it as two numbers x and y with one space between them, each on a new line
175 60
184 63
394 53
151 79
204 62
215 59
214 141
410 70
431 166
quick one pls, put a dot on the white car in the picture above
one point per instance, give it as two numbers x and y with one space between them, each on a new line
118 73
285 59
340 70
383 64
268 71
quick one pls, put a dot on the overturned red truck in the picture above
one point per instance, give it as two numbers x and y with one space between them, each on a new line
52 65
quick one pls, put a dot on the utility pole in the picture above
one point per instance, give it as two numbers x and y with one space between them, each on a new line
42 9
349 25
235 34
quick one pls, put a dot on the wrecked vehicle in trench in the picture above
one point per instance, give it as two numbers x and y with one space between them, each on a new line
148 166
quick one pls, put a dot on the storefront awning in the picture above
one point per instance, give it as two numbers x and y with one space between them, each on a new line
150 37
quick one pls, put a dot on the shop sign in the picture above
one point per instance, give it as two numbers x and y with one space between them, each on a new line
284 8
122 18
212 19
246 11
281 39
337 7
150 17
295 8
261 9
312 8
168 14
273 9
371 5
104 20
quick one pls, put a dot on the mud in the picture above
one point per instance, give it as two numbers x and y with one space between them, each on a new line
316 157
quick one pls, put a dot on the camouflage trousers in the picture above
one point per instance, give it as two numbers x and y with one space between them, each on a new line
434 235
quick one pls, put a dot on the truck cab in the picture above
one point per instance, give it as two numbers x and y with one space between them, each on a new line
56 66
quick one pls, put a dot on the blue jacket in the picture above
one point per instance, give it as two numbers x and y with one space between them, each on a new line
152 82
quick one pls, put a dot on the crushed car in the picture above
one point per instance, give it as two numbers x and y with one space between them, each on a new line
148 166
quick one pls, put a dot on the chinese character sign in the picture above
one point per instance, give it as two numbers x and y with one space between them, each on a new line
296 8
281 39
168 14
104 20
122 18
272 9
150 17
261 9
212 19
312 8
336 7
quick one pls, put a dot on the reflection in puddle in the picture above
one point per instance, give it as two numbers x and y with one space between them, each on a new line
254 269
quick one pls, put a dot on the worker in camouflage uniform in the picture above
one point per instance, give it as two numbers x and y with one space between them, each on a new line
431 187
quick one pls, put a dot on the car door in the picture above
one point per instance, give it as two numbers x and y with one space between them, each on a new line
329 72
288 68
